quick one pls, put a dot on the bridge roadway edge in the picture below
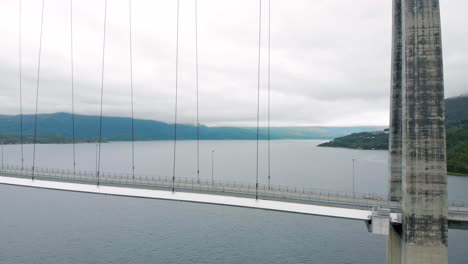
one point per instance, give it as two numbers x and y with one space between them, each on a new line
269 205
456 221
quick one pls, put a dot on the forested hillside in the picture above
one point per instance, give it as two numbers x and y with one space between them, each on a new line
457 137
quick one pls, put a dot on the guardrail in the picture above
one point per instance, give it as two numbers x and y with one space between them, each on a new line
273 192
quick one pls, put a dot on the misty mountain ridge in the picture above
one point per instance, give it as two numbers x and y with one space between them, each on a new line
59 125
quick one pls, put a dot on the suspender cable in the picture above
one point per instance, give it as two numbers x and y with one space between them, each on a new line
258 89
176 95
131 84
37 90
72 86
269 49
20 87
102 91
196 70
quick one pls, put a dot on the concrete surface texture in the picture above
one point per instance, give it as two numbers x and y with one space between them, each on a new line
424 172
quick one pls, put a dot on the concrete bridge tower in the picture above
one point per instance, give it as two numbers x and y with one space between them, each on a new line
418 173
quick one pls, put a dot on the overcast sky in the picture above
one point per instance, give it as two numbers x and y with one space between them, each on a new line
330 59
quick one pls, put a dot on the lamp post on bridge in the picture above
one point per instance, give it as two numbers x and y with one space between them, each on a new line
212 167
96 166
2 154
353 178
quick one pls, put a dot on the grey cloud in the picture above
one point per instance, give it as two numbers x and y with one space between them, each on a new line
330 59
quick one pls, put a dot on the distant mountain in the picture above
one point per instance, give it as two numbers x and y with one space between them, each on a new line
59 126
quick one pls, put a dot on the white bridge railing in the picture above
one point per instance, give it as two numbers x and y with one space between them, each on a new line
273 192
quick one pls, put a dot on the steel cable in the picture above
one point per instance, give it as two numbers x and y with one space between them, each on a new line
269 70
258 91
131 86
21 85
176 98
72 86
37 90
102 90
196 72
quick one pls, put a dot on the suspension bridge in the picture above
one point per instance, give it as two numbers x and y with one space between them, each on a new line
415 215
354 206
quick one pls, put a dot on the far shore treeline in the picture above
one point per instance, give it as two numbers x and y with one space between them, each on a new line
457 137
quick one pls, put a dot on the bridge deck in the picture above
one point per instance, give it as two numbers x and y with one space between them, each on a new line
284 194
330 204
354 214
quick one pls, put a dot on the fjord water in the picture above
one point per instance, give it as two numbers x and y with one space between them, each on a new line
44 226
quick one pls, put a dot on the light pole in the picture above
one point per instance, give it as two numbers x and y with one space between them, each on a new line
212 167
2 155
96 166
353 176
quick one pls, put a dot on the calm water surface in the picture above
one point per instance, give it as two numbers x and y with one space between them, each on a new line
44 226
